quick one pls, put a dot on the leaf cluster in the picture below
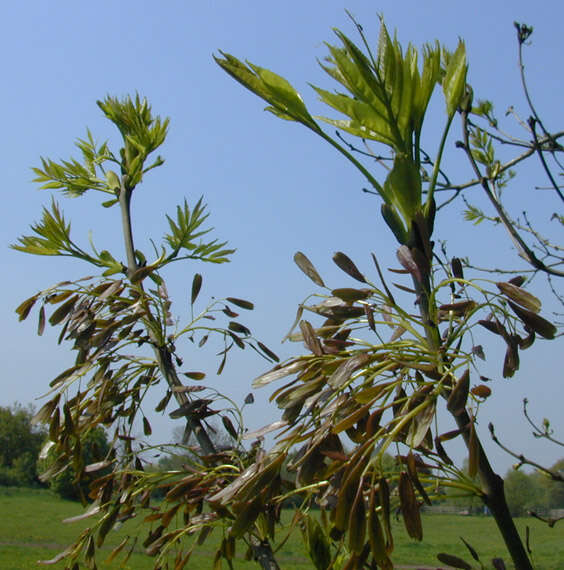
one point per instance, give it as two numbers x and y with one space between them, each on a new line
381 391
75 177
184 232
107 324
142 134
385 100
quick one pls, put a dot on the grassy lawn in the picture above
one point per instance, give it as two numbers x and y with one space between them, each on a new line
30 530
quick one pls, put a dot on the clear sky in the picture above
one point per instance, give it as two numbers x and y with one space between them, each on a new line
272 188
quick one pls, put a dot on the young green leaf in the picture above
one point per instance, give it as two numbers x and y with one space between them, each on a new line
394 222
283 99
113 180
283 96
454 81
185 231
403 187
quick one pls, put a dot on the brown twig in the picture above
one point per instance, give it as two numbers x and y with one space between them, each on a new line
538 432
524 250
524 460
538 147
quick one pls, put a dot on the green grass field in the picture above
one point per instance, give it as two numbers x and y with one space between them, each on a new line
30 530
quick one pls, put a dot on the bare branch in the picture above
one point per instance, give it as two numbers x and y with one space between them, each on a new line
524 460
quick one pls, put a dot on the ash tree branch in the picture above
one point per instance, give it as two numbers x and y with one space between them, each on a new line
555 476
524 250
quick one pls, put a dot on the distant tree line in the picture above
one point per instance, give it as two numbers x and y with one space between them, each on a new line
534 492
526 493
21 442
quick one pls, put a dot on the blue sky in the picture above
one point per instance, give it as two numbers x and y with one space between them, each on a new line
271 187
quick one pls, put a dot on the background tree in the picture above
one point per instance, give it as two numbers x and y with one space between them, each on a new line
523 493
181 453
20 442
554 489
535 493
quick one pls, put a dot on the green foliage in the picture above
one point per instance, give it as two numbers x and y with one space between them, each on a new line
20 442
385 100
475 215
284 100
186 229
142 134
53 235
388 94
523 493
454 80
483 150
552 491
74 177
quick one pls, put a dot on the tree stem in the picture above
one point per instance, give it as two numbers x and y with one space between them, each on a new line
125 208
263 554
494 498
162 354
262 550
493 494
